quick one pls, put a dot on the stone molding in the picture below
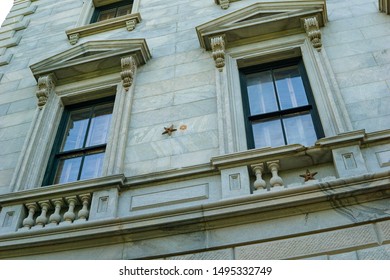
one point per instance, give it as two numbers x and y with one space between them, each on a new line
348 191
106 53
289 156
127 21
384 6
84 28
75 82
261 21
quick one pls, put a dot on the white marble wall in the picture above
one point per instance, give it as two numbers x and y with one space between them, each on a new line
357 40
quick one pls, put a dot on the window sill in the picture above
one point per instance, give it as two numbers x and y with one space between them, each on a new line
127 21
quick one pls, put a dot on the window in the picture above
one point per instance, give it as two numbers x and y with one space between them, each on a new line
80 144
112 11
278 105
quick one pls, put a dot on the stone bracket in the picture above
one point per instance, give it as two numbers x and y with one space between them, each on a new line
45 85
313 31
218 50
129 67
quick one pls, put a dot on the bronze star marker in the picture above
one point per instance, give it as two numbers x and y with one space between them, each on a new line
169 130
308 175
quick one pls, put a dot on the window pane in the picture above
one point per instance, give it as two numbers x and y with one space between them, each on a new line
289 85
268 134
92 166
76 130
99 126
261 93
300 129
104 15
68 170
125 10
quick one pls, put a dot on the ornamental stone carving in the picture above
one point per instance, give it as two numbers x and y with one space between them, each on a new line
129 67
130 24
218 49
45 85
313 32
74 38
223 3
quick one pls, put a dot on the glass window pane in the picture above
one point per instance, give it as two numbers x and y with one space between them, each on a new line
76 130
125 10
261 93
268 134
100 124
92 166
104 15
289 86
300 129
68 170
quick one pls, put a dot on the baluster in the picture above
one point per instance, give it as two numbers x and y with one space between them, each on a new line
83 213
29 221
42 219
69 216
276 180
258 169
55 218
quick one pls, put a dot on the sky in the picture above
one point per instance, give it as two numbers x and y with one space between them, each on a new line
5 6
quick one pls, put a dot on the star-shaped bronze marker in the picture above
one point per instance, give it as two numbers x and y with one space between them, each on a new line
169 130
308 175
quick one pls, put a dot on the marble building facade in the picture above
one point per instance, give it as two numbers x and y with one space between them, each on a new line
143 129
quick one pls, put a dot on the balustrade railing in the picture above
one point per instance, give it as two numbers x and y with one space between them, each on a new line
62 210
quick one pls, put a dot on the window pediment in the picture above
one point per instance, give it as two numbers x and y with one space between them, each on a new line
262 21
91 59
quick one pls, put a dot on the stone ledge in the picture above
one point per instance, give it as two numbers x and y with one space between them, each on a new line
207 216
53 191
127 21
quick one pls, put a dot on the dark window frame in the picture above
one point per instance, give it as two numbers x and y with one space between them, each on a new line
117 5
56 155
311 107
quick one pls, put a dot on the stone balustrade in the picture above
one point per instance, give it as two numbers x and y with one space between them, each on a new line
275 181
57 211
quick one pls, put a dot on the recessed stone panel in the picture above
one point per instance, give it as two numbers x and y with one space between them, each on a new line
169 197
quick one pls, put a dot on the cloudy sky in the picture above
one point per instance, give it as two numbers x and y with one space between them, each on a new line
5 6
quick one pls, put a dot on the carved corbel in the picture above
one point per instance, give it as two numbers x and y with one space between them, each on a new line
45 85
223 3
74 38
218 48
313 32
129 66
130 24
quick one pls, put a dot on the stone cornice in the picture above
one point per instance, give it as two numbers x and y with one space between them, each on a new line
262 21
75 63
127 21
296 155
315 196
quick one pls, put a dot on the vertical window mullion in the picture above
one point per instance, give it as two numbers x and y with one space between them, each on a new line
279 106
